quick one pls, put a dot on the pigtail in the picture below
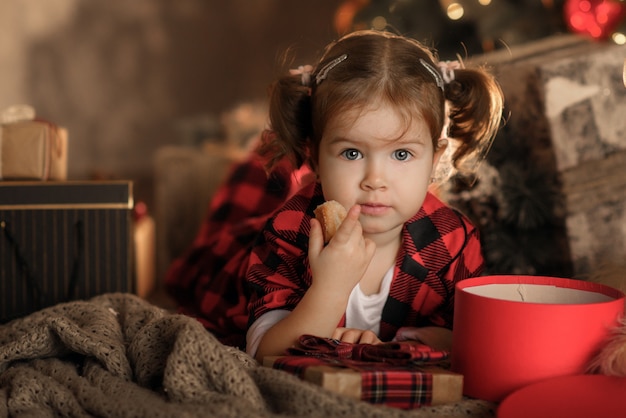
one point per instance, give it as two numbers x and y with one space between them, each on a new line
290 121
476 102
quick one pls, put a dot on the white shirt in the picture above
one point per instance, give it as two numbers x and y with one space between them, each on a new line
363 312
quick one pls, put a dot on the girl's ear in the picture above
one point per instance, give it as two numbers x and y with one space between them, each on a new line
442 144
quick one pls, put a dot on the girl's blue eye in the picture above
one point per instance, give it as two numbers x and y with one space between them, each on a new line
401 155
351 154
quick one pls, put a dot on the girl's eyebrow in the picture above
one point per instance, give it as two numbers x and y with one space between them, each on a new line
397 141
419 141
340 139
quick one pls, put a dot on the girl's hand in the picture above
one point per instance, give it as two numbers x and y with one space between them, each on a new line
438 338
342 263
336 269
353 335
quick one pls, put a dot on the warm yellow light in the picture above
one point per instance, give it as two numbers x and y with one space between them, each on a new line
379 23
455 11
484 2
619 38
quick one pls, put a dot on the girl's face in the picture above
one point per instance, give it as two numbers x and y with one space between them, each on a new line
368 158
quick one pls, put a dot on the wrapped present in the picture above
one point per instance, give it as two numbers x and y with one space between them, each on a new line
33 150
550 196
403 375
62 241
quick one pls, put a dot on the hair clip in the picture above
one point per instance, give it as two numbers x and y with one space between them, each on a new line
433 71
304 71
323 73
447 70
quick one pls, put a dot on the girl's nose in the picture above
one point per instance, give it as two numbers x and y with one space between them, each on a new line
373 177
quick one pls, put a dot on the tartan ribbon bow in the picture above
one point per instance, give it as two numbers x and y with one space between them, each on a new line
397 353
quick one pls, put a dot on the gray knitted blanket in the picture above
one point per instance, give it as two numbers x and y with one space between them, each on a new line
116 355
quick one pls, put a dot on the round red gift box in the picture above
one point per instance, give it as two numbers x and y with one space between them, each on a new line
576 396
511 331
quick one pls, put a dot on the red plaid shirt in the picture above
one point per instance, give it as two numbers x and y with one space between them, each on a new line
209 280
439 248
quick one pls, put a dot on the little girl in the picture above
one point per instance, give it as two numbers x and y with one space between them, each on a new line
371 122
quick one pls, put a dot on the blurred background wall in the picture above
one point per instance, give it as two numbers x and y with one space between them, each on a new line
126 77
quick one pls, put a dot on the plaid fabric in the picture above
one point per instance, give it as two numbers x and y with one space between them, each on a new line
208 281
440 247
396 353
390 372
391 385
245 227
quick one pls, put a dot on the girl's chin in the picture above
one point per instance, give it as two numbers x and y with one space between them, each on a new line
370 229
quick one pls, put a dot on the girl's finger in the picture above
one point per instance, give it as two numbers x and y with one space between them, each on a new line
316 238
350 222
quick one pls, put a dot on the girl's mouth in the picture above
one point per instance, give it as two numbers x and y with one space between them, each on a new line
374 209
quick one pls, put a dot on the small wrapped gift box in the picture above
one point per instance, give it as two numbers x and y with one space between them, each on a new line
392 374
62 241
513 331
33 150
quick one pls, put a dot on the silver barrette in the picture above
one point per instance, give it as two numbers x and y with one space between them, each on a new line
432 70
323 73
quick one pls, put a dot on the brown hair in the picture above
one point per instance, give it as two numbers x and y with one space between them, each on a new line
385 67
